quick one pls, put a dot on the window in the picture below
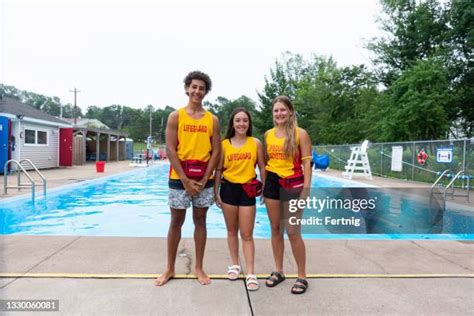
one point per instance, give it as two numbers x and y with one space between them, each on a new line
42 138
35 137
30 136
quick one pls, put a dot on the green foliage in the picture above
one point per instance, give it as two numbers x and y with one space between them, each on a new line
423 62
414 107
223 108
333 103
136 122
50 105
285 78
415 30
431 29
460 62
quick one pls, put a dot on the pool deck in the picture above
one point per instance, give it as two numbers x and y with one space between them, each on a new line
114 275
430 277
64 176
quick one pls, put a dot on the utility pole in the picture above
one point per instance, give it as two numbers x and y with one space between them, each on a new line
75 104
148 140
161 130
150 119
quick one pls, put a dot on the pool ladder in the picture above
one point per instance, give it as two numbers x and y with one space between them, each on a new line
19 170
450 189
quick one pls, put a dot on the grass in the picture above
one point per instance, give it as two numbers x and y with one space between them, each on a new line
142 146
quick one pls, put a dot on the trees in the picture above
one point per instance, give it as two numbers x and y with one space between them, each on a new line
285 78
136 122
420 31
50 105
223 108
422 86
414 106
333 103
414 30
460 18
93 111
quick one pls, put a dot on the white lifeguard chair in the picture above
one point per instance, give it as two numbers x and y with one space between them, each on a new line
358 163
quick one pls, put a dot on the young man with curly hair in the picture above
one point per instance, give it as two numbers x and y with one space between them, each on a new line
193 148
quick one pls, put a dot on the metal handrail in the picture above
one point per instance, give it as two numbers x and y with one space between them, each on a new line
37 171
459 175
440 177
18 186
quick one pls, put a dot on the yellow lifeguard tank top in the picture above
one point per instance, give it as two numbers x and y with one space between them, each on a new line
239 163
194 138
278 162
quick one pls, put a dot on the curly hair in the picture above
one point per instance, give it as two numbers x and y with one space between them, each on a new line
198 75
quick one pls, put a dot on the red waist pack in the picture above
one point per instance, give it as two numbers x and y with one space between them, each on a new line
253 188
194 169
294 182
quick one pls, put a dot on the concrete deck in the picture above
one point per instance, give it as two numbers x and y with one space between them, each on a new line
138 260
63 176
352 277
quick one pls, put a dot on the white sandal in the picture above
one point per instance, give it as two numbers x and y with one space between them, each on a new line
233 272
251 279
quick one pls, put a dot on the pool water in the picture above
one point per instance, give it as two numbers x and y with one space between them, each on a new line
134 204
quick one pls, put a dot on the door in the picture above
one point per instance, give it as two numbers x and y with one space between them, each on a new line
4 137
65 147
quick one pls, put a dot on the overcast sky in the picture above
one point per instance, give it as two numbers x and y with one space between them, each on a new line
137 52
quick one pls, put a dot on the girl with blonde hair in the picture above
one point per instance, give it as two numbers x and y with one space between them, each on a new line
288 167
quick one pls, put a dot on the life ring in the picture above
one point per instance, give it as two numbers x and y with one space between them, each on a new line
422 156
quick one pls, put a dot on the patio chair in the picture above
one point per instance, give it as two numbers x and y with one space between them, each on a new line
358 163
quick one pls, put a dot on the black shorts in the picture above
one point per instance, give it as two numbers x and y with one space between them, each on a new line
272 186
274 191
233 194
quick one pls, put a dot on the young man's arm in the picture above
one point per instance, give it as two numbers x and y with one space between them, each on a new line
218 177
191 186
215 151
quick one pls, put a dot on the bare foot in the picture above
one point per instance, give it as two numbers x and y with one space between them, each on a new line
164 278
203 278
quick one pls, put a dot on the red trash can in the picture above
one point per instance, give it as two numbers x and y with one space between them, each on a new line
100 166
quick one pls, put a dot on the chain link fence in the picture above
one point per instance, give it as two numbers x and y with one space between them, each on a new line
380 158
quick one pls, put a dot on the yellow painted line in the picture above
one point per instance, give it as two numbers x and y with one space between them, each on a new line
224 276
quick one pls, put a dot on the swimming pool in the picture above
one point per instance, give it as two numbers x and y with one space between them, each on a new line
135 204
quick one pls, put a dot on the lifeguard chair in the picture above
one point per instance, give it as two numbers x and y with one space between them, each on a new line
358 163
